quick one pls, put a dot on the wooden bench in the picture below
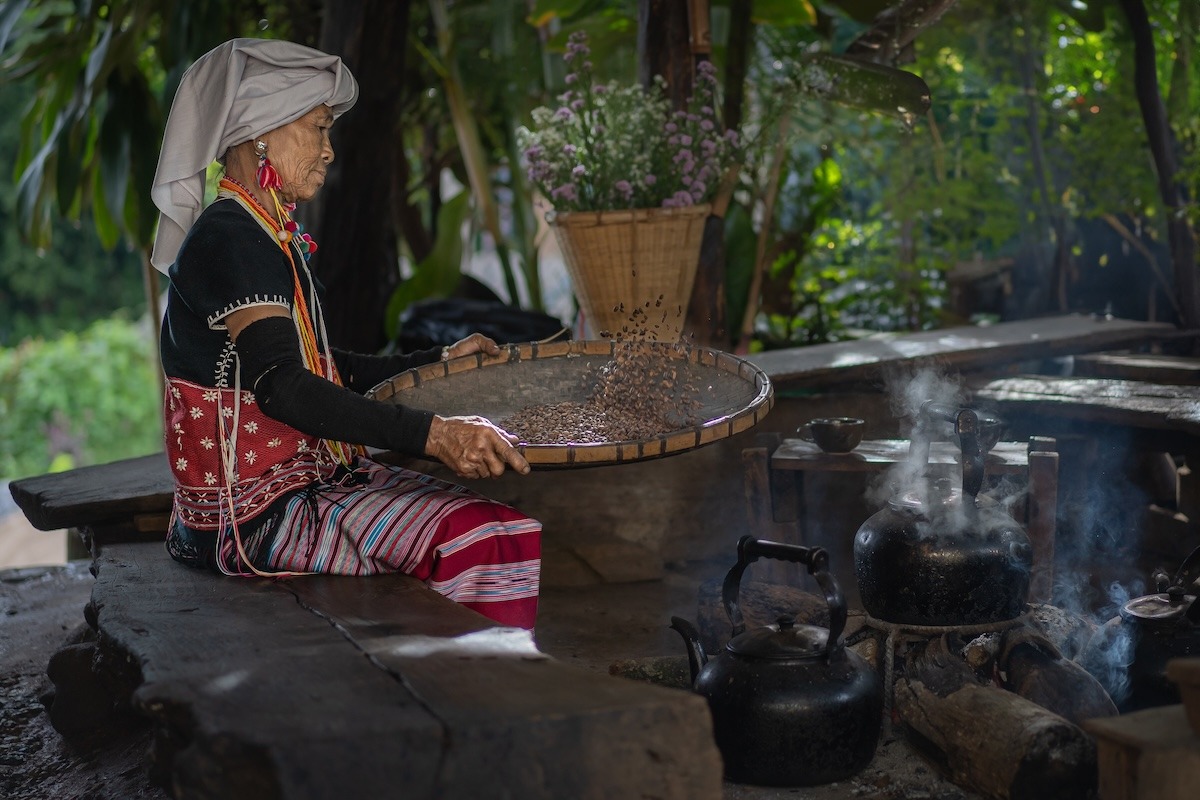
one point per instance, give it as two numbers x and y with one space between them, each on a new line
327 686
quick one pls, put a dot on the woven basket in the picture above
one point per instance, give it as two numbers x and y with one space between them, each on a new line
733 394
623 260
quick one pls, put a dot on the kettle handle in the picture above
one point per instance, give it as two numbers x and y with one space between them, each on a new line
816 559
966 427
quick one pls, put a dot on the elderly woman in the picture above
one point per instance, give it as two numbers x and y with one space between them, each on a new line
265 422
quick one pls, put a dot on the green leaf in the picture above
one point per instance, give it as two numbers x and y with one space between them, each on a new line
438 273
10 12
114 150
546 11
784 13
741 245
863 84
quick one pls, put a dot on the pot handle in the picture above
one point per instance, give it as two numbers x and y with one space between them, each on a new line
816 559
966 427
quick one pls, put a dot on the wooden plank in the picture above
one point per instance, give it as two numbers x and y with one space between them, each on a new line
1148 406
96 495
521 718
1139 367
874 455
964 348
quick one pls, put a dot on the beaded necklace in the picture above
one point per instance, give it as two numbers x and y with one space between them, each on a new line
285 236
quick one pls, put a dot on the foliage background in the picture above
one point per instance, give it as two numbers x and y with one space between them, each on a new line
1032 164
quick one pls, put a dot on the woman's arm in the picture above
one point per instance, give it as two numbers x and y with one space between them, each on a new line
269 356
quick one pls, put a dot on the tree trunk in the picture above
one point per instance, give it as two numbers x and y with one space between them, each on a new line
352 217
664 47
1162 146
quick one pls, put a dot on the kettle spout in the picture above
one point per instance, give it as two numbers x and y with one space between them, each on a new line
697 658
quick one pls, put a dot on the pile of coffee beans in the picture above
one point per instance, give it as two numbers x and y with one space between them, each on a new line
640 394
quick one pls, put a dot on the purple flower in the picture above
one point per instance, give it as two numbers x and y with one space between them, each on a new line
671 127
731 136
569 149
578 170
650 180
706 110
624 188
570 78
577 105
685 140
563 113
706 125
565 192
600 88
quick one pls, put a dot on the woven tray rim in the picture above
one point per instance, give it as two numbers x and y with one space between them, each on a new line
604 453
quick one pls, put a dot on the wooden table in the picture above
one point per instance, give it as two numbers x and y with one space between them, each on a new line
775 468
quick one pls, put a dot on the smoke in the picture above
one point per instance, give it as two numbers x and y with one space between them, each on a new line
1110 653
1097 564
907 390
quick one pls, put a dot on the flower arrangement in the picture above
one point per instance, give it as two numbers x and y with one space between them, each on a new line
609 146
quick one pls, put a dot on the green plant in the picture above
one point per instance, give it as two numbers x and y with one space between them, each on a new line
80 399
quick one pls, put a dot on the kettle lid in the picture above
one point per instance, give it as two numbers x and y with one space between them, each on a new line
784 640
1167 606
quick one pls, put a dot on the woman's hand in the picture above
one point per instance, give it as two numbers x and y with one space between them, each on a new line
473 446
475 343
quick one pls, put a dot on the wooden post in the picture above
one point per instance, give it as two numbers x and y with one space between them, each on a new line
1041 514
773 506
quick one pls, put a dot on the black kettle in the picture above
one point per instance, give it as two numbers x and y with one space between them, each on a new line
941 555
791 706
1129 653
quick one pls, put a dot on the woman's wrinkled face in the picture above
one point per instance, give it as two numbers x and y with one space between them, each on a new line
301 153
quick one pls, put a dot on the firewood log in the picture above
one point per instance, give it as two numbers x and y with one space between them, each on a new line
995 742
1036 670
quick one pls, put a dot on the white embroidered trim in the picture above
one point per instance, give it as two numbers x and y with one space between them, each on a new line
215 323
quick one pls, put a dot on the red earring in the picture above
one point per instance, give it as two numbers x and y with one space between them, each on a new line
268 177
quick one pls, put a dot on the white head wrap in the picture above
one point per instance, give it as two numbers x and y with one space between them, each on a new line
239 90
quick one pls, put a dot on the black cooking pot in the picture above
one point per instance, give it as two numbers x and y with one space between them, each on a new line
938 555
791 706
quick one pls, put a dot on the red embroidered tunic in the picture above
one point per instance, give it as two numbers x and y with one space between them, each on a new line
216 434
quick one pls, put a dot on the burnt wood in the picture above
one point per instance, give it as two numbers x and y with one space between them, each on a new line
998 743
326 686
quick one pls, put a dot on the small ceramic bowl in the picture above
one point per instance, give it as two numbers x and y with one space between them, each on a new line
834 434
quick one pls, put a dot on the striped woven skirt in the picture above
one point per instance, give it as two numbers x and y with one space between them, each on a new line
475 551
